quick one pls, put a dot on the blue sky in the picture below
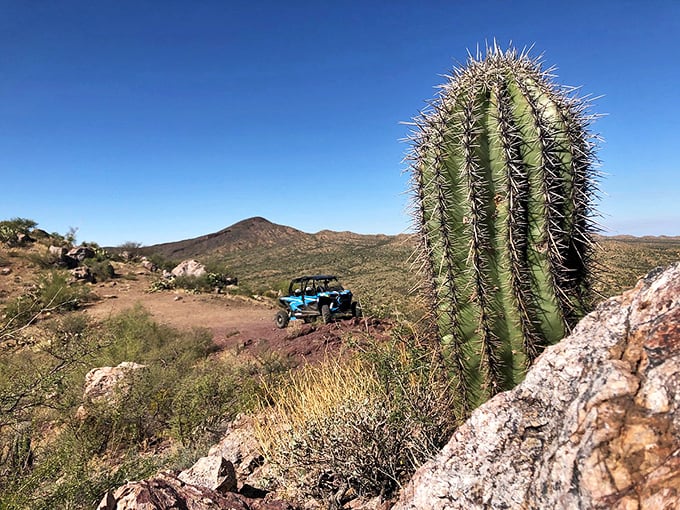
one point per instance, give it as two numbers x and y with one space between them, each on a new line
159 121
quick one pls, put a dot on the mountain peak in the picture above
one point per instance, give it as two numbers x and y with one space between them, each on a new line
256 231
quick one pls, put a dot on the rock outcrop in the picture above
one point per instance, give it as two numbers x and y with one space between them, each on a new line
231 474
167 491
240 447
189 268
81 253
106 383
595 424
213 472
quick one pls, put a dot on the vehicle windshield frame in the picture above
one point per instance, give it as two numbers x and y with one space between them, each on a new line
303 282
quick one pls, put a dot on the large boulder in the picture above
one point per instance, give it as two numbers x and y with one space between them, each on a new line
61 258
106 383
240 447
57 251
189 268
149 265
595 424
81 253
214 472
166 491
82 273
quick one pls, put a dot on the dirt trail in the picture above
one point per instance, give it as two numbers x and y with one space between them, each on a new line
236 322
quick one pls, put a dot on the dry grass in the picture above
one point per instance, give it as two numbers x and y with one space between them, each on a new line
357 427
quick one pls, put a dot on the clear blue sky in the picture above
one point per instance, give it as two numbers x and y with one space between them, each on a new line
158 121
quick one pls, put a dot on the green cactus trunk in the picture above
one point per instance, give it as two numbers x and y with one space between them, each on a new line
503 177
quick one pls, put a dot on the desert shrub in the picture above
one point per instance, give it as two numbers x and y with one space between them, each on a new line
39 387
162 263
130 250
51 293
44 259
207 282
136 414
101 271
49 374
204 400
100 267
51 459
10 230
364 424
192 283
54 291
161 284
133 335
64 476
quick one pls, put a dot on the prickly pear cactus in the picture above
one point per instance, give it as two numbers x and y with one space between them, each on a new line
503 176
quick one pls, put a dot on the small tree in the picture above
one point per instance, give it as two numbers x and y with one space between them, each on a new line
11 230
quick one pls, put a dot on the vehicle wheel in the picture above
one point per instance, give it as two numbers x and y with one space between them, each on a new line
326 314
281 319
356 310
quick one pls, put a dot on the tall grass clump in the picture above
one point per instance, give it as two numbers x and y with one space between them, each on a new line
357 427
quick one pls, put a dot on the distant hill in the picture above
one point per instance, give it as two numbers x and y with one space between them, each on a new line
244 235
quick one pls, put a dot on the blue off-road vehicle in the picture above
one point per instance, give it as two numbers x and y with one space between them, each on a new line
310 297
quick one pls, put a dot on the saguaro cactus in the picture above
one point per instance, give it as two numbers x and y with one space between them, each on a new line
503 176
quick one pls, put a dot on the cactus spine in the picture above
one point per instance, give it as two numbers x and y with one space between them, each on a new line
502 167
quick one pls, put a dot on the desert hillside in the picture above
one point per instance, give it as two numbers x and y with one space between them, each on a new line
265 255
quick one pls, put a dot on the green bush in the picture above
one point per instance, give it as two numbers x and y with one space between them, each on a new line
133 335
193 283
51 293
10 230
204 400
207 282
130 250
66 477
138 413
100 268
50 459
44 260
162 263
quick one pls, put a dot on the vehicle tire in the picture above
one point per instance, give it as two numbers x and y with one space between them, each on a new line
326 314
356 310
281 319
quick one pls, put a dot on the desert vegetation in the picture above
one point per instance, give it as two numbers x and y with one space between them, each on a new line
504 180
357 424
59 450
